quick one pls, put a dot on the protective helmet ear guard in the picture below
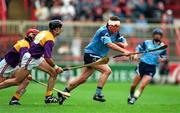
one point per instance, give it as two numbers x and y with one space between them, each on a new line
30 34
55 24
31 30
157 31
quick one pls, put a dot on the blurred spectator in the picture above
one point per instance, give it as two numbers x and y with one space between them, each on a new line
76 45
68 11
98 14
170 18
122 4
63 49
118 12
142 24
107 13
42 12
85 8
56 10
106 5
151 10
164 71
95 10
166 19
129 13
127 28
131 4
141 7
160 10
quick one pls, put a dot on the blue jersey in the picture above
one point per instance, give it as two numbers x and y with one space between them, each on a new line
151 57
98 45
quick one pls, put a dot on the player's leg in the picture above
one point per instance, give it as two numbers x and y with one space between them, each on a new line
86 72
147 74
2 78
139 71
136 81
105 72
44 66
19 92
80 79
18 77
144 82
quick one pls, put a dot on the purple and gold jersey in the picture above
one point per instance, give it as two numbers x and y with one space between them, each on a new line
15 54
42 45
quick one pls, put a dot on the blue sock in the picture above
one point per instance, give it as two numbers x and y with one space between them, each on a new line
131 93
98 90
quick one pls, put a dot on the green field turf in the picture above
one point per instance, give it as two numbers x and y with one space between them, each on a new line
155 99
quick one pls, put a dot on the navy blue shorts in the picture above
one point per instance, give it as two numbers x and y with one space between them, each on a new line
89 58
146 69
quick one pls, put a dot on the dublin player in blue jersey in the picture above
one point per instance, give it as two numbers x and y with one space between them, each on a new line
106 37
148 62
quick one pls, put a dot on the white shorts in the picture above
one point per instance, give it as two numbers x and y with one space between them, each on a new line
29 62
6 70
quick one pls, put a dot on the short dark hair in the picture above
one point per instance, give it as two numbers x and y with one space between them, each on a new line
114 18
55 24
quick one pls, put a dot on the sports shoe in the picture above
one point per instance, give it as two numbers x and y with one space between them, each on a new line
132 100
62 98
51 99
14 102
129 98
99 98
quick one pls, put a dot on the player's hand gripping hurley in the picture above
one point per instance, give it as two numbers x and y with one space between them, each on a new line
151 50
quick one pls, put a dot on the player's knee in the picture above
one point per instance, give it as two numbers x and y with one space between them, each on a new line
107 71
53 73
16 82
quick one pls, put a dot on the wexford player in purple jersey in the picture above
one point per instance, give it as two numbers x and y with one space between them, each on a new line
40 55
10 64
13 57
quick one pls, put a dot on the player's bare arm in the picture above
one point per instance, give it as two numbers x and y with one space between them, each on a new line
117 48
122 45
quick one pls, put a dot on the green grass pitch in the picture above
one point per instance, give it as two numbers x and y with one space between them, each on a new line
155 99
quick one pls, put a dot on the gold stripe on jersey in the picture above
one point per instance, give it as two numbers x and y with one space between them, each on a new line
43 37
20 44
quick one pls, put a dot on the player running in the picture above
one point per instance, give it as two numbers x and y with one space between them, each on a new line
9 64
12 58
148 62
41 47
107 37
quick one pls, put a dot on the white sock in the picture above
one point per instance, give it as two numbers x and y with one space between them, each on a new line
137 94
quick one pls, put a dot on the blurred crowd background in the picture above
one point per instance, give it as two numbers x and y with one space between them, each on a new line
82 18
